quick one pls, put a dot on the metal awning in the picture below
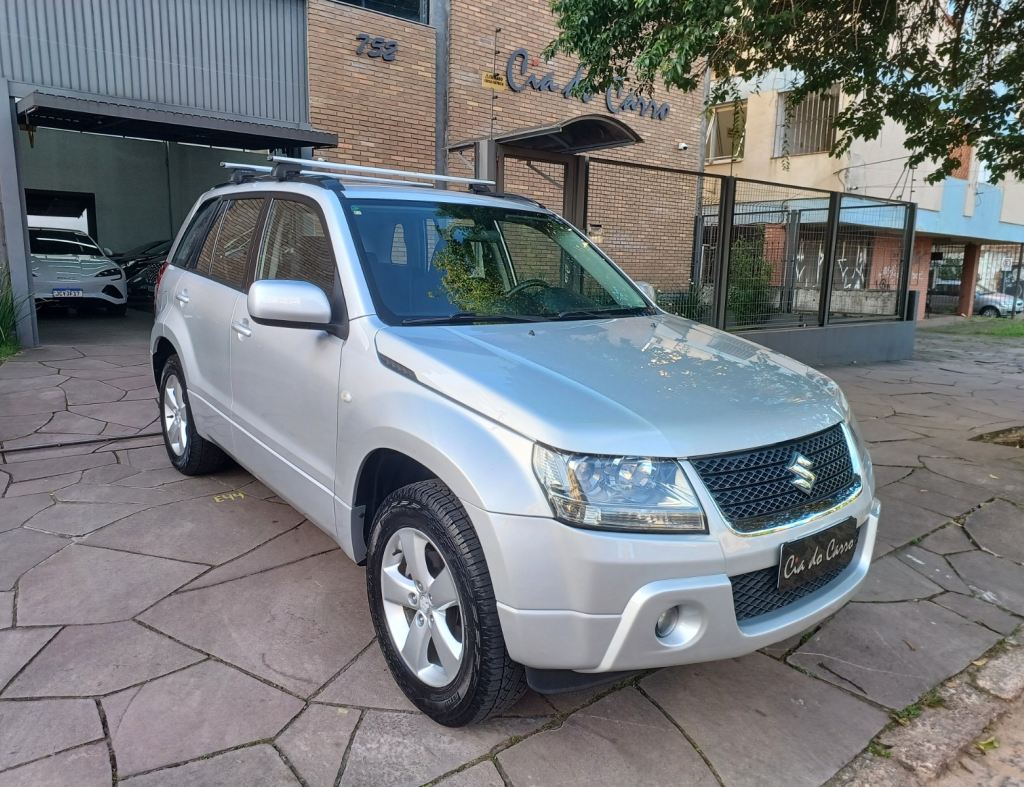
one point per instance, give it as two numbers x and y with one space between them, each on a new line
128 119
576 135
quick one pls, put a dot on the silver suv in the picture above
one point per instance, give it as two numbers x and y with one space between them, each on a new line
549 480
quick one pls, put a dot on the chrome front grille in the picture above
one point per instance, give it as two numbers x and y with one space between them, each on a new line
755 489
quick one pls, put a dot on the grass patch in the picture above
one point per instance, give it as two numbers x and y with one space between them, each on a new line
8 317
907 715
879 750
999 327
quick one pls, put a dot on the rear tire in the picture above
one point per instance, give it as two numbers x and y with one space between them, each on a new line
435 614
189 452
989 311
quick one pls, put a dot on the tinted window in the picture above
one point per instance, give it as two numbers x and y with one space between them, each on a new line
295 246
62 242
185 254
234 237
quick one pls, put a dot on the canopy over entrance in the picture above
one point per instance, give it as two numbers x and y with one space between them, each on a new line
131 119
576 135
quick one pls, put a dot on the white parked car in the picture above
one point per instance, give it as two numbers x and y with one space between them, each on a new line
550 480
70 269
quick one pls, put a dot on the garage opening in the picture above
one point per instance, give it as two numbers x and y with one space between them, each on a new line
107 184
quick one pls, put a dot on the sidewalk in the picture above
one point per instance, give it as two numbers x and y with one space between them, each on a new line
159 629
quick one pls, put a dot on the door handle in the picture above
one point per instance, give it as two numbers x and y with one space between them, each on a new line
182 296
241 328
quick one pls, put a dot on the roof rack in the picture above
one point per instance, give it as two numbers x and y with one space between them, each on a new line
378 173
242 173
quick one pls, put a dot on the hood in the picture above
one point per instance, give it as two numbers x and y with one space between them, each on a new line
70 268
654 386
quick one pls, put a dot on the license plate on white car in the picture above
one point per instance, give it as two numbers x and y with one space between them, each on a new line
67 292
808 558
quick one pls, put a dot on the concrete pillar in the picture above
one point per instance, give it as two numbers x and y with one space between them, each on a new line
13 237
969 279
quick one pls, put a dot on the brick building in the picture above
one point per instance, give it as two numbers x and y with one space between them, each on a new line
435 104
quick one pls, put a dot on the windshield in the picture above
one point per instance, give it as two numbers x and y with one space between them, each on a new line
62 242
431 262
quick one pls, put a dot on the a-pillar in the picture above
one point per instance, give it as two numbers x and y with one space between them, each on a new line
969 279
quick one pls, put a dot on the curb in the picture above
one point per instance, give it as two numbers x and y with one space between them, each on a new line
928 737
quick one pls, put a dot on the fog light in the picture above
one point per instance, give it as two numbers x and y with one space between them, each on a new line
667 622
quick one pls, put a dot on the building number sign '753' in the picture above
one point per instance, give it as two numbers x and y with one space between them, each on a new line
377 46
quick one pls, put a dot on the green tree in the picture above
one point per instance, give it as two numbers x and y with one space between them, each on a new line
950 72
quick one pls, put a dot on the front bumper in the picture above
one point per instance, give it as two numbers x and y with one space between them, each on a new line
588 601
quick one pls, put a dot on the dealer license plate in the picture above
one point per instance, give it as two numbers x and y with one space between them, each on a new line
806 559
67 292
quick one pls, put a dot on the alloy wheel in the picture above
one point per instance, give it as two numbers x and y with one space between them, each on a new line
175 415
422 607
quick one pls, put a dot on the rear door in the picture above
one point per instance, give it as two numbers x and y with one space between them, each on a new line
206 295
285 380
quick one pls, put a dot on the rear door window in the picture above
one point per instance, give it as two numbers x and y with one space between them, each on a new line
199 230
229 255
296 246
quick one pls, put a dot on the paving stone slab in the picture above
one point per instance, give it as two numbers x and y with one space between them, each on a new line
207 530
87 766
107 474
925 498
1002 481
136 413
113 374
295 626
901 522
18 646
30 730
647 748
410 749
41 400
934 567
78 519
90 660
483 774
72 423
316 741
890 475
304 541
43 468
80 392
22 549
891 580
42 485
19 384
152 458
999 527
6 610
14 512
367 683
15 370
948 540
892 653
45 354
796 725
993 579
78 586
253 766
979 611
15 426
199 710
93 493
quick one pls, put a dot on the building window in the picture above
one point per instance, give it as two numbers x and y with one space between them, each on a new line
416 10
807 127
726 132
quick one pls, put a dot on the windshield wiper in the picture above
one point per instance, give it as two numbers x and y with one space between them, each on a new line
623 311
469 317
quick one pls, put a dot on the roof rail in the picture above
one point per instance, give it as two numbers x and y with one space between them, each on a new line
311 164
246 172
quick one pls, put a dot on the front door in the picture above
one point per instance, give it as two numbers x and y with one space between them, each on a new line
553 179
285 380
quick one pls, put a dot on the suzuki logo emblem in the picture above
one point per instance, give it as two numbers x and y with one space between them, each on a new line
804 478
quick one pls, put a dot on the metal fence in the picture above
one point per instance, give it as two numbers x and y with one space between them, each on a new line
742 254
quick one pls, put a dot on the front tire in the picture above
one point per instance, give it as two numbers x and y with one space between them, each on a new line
434 611
189 452
989 311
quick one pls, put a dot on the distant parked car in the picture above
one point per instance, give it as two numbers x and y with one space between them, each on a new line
142 250
142 284
154 255
990 303
70 269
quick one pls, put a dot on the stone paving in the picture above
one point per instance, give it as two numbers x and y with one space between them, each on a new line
157 629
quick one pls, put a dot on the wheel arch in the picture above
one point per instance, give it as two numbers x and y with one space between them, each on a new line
162 350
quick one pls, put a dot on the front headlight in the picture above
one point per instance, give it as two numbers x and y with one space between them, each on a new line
618 492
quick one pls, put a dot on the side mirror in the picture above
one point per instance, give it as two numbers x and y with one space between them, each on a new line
648 290
289 304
